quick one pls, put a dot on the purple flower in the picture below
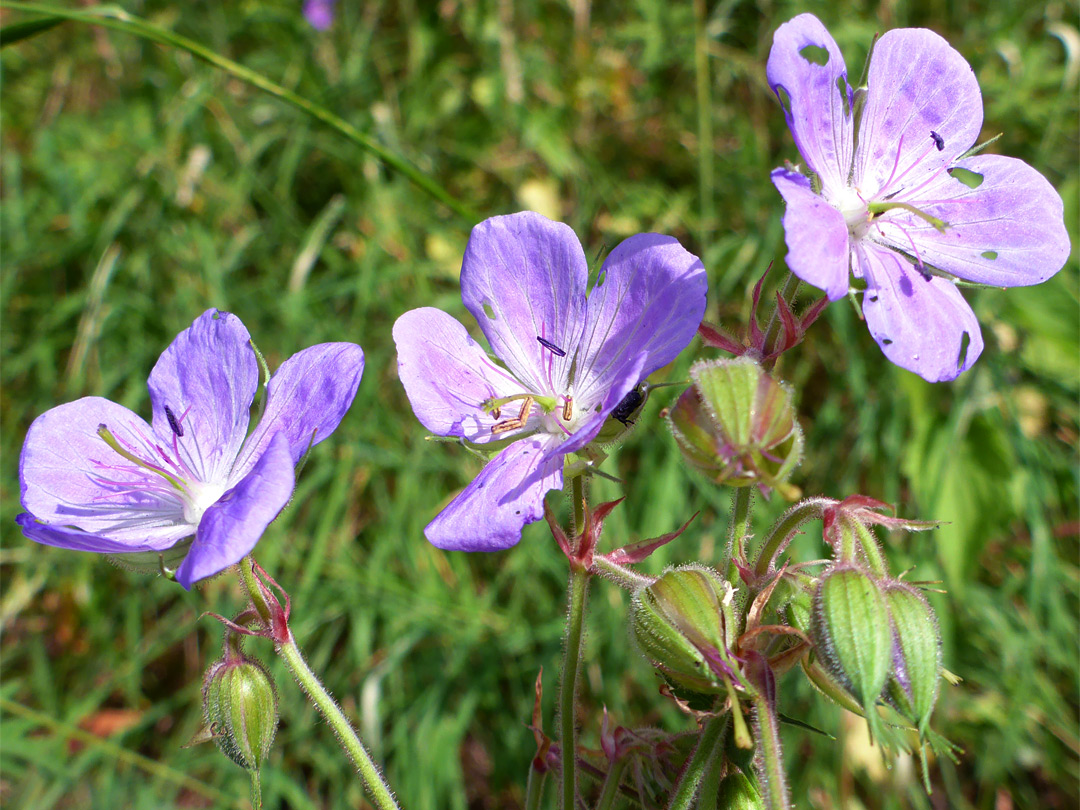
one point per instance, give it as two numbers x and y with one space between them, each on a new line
96 477
319 13
894 196
563 360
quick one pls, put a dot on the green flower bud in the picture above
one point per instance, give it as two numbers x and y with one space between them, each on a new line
853 636
683 621
240 706
916 674
737 424
737 792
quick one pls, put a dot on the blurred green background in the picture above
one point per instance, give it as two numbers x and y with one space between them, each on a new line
141 186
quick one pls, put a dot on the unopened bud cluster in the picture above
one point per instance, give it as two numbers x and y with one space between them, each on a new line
878 639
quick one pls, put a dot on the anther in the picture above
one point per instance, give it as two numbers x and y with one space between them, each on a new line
547 344
517 422
939 142
173 423
568 409
923 271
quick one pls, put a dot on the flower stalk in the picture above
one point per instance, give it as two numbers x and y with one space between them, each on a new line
290 653
575 620
710 745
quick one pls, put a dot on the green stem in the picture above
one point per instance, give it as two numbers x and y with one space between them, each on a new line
773 781
709 746
256 789
741 512
534 788
621 575
575 620
790 521
118 19
327 706
611 785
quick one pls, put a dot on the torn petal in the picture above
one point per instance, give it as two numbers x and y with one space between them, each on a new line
924 326
1008 231
806 71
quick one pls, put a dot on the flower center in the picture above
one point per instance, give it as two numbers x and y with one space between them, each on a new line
169 479
855 211
200 497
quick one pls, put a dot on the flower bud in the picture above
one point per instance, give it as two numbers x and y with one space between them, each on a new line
737 424
240 706
853 636
916 676
737 792
682 623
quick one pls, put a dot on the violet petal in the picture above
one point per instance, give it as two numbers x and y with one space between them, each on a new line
1009 231
208 377
647 302
306 400
447 375
71 477
509 492
920 324
77 540
816 98
917 84
816 235
231 527
523 277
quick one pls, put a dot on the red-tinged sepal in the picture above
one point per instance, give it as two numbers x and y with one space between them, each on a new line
640 550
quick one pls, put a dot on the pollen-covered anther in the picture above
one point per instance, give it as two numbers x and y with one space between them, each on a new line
568 409
516 422
173 422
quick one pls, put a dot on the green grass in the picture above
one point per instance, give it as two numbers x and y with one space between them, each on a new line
141 186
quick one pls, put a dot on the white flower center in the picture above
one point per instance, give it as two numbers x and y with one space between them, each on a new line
200 497
855 212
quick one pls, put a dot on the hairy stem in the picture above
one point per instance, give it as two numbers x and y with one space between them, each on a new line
610 790
783 529
327 706
740 530
710 745
534 788
771 761
575 622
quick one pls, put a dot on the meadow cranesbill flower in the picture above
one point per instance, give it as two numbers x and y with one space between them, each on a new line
563 359
893 192
192 484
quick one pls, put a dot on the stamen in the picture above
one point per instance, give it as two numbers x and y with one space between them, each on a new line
877 209
518 421
568 409
173 423
109 439
547 344
939 142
